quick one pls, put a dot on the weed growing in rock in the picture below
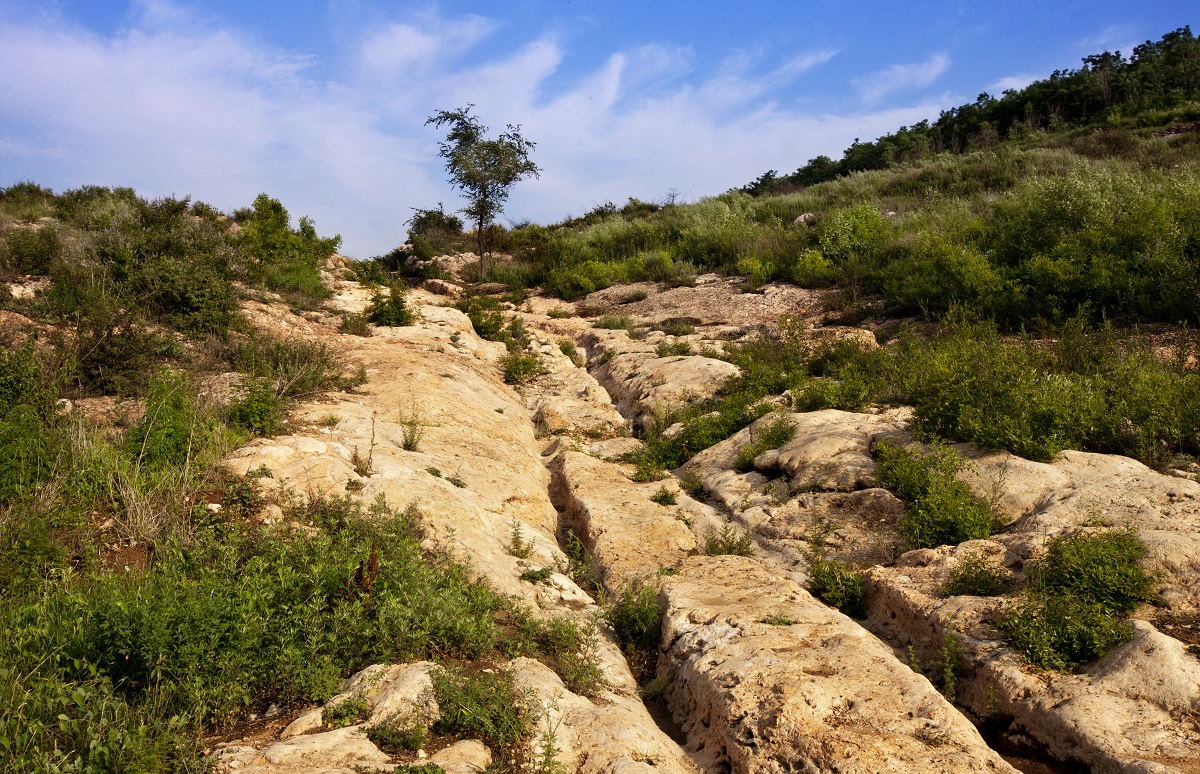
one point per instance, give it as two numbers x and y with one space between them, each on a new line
581 565
663 496
355 325
769 436
1061 632
520 367
673 349
1077 592
484 706
567 646
949 662
518 546
836 583
346 712
394 739
776 619
636 619
414 430
391 309
537 576
729 540
977 574
1100 567
418 768
941 510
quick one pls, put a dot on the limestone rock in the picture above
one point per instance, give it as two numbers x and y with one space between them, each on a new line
643 385
466 757
595 737
812 691
629 535
1133 710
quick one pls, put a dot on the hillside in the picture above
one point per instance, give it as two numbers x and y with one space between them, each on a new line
894 471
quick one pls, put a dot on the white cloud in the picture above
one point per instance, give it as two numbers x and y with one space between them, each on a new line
901 77
175 106
1017 82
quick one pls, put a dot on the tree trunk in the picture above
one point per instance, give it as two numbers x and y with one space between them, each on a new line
479 241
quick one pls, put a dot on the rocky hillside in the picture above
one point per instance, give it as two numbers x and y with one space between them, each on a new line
713 648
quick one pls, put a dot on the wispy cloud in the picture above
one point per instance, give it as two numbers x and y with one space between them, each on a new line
1018 81
901 77
170 105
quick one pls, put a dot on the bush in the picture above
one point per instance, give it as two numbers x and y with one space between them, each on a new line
259 410
242 617
1099 567
391 310
836 583
284 259
1060 632
729 540
977 575
771 435
520 367
566 646
355 325
636 619
940 508
484 706
172 429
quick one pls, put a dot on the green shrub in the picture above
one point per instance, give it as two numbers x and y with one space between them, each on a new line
355 325
241 617
391 310
284 259
395 740
770 435
520 367
1060 632
836 583
566 646
347 712
259 409
729 540
636 619
1098 567
977 575
663 496
673 349
172 429
940 508
295 368
484 706
484 314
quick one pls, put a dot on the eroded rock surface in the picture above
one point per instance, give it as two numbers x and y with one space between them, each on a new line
435 426
765 678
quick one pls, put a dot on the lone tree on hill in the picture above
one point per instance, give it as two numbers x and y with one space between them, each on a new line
484 170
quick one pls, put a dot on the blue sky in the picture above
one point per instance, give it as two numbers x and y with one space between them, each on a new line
322 104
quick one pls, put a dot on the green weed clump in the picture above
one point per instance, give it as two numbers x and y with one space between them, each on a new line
978 575
1101 567
391 310
770 436
836 583
1077 594
484 706
1062 632
636 619
117 670
940 508
729 540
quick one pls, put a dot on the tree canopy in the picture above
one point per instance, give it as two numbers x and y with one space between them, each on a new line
483 170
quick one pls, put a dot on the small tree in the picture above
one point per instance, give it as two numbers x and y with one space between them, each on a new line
484 170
